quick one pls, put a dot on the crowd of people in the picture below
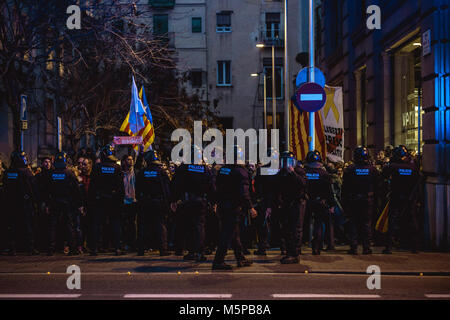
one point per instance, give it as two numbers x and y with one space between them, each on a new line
97 204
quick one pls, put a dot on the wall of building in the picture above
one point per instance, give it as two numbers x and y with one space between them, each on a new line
377 74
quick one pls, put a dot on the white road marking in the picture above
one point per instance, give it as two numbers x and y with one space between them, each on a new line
38 296
438 296
178 296
314 295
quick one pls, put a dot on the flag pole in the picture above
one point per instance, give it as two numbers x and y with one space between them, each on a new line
311 137
286 78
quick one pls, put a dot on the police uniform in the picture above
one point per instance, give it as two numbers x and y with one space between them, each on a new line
320 196
264 187
19 193
64 199
192 184
233 197
359 191
107 192
405 186
290 198
153 194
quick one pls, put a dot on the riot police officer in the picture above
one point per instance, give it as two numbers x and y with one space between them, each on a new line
233 196
64 200
360 184
19 193
193 186
405 184
107 192
320 195
264 187
153 194
290 199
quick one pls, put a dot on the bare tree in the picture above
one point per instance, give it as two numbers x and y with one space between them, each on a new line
88 71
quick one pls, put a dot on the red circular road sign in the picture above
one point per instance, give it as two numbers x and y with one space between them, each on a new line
311 97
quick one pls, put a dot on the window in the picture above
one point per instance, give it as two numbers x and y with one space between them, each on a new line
196 25
278 82
223 22
160 24
196 79
273 25
224 73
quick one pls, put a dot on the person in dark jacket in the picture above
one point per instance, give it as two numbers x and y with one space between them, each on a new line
234 201
153 195
193 186
320 195
290 201
19 187
107 192
359 191
63 201
405 194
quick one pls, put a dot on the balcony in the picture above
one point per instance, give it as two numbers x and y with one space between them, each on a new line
162 4
272 37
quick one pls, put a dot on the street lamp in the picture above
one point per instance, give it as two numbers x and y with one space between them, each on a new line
265 95
274 101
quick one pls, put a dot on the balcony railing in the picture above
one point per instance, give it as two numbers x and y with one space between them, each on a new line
272 37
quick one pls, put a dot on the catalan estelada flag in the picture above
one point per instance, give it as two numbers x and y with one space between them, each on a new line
299 131
383 221
146 131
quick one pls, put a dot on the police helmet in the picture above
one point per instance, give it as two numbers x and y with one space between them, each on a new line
288 160
400 154
361 155
18 159
107 153
151 156
313 156
61 160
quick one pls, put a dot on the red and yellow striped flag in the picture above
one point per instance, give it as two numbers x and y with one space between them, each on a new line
147 133
299 130
383 221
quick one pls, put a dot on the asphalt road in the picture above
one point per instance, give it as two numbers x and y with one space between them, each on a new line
330 276
235 286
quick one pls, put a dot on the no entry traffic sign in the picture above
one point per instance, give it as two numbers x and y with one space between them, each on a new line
311 97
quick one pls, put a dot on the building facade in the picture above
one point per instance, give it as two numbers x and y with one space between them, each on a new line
396 87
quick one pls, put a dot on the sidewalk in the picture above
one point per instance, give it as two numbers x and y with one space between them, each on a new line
339 262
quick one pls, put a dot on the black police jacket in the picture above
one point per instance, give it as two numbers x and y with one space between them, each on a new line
192 180
289 186
318 182
233 185
152 183
265 187
360 181
403 178
62 187
107 182
19 185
